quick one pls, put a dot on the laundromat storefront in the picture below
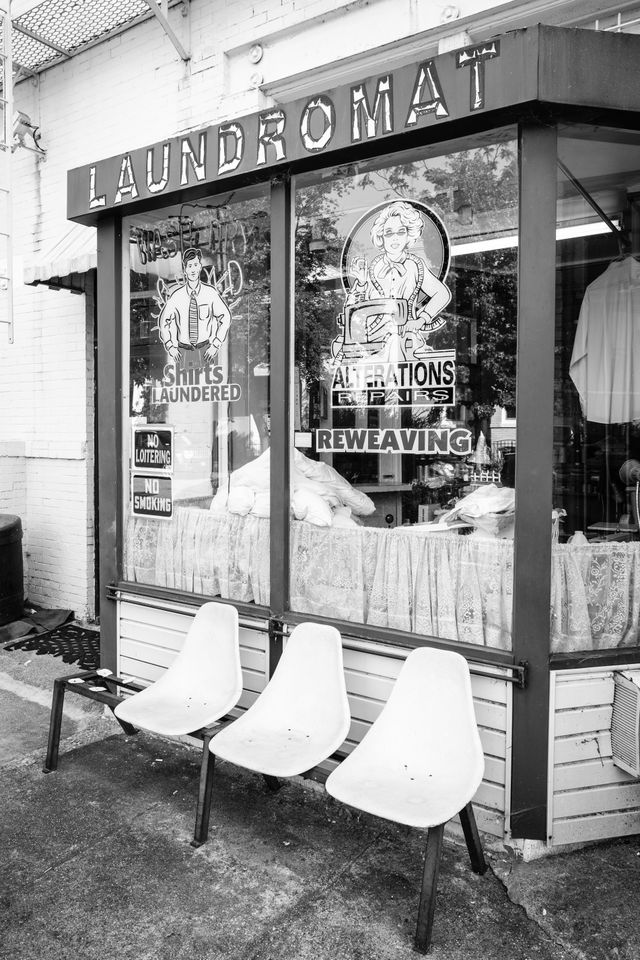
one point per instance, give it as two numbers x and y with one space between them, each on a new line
368 358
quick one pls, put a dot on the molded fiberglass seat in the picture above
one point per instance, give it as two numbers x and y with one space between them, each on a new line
201 685
421 763
300 718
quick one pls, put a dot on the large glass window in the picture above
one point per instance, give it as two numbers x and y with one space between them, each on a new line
595 576
404 392
197 410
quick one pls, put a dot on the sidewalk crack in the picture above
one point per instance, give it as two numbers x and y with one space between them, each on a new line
259 946
570 949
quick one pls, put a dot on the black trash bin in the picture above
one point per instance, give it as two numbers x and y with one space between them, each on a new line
11 572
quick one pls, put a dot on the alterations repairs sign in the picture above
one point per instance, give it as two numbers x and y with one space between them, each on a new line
151 496
153 448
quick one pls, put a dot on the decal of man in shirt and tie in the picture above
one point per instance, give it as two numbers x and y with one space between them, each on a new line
195 317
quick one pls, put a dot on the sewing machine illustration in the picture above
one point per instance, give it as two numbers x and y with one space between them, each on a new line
365 327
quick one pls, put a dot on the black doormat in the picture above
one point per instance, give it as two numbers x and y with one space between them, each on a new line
73 643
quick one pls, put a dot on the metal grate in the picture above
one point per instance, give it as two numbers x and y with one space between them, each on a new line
76 22
56 29
30 53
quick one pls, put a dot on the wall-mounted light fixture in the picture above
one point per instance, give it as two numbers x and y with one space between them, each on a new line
26 134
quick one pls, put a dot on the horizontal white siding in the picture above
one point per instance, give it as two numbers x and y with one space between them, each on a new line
150 637
592 799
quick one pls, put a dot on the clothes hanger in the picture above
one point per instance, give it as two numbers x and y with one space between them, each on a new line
624 247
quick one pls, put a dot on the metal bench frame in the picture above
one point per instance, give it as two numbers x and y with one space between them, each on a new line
109 696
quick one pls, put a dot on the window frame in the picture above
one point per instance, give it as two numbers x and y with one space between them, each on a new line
282 188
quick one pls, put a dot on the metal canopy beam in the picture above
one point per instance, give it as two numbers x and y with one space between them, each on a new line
40 39
61 54
20 70
168 29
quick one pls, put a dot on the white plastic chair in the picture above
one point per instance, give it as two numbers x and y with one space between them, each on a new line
300 718
200 686
420 764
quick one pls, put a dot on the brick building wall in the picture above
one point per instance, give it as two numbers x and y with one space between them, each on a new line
128 91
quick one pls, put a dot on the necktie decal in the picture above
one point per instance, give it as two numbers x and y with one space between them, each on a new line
193 320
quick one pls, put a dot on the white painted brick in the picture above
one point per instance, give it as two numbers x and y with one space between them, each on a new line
125 93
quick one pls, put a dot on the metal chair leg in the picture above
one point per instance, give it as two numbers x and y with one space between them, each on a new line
427 905
471 835
272 782
55 724
127 727
205 789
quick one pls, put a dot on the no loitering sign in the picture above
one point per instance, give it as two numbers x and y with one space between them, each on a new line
153 448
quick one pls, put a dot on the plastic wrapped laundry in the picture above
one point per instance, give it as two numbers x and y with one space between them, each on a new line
316 478
494 525
342 518
309 506
485 500
326 492
262 504
219 501
333 487
241 500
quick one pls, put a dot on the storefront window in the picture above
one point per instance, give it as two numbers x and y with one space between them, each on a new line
197 410
595 574
404 433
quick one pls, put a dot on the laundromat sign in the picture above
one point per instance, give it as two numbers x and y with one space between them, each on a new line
484 76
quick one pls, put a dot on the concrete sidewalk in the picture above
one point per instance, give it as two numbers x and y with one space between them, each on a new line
97 862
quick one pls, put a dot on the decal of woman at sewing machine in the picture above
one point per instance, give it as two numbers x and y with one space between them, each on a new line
395 259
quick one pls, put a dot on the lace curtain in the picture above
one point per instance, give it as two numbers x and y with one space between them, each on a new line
199 552
595 596
441 585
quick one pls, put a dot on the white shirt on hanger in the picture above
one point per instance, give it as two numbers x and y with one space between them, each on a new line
605 363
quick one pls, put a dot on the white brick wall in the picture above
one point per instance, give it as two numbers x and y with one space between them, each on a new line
130 91
58 548
13 482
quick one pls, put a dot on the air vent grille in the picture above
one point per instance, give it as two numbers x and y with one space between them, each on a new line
625 722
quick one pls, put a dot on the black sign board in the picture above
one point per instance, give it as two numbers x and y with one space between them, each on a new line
151 496
153 448
456 84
